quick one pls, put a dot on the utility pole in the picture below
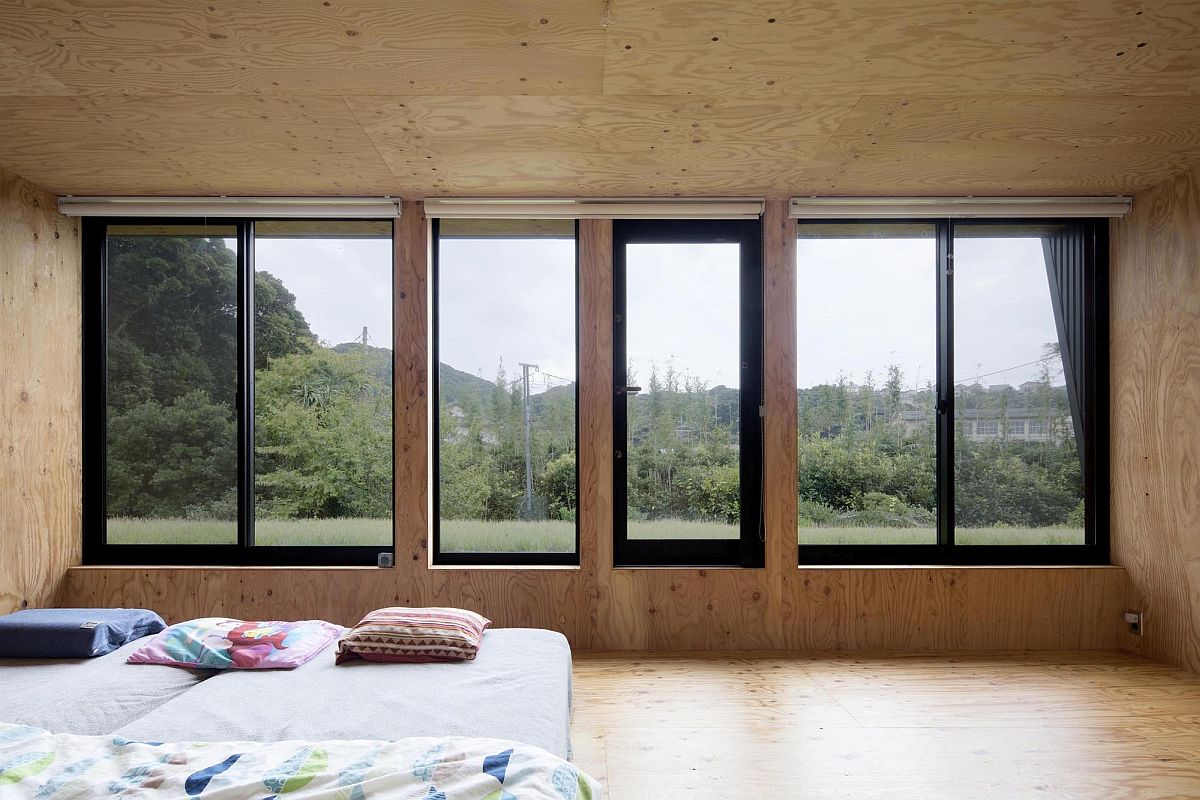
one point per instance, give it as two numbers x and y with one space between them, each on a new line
528 460
365 348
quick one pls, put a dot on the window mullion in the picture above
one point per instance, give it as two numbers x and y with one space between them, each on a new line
945 379
246 384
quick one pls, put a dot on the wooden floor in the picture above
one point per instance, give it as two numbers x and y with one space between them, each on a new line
897 726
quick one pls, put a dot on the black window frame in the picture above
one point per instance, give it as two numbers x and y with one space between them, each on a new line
747 551
484 559
1095 550
96 549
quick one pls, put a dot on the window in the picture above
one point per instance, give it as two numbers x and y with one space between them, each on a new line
987 427
687 339
866 366
323 383
1018 346
242 418
171 328
998 453
505 484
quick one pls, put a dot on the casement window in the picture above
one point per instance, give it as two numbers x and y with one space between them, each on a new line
238 391
505 423
952 391
687 358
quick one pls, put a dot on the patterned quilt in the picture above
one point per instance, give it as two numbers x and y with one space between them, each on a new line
38 764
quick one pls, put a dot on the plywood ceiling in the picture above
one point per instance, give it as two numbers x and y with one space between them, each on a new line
571 97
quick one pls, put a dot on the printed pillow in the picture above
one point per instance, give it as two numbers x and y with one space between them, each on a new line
414 635
221 643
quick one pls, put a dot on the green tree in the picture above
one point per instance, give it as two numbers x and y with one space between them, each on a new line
323 437
279 327
172 319
172 371
165 460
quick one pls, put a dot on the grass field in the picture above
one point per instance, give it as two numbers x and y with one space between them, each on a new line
466 536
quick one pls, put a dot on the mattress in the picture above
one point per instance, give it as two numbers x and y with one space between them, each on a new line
518 688
87 696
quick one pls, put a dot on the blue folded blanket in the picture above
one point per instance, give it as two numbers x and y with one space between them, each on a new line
73 632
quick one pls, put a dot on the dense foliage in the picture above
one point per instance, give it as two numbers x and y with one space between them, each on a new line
322 415
482 464
324 436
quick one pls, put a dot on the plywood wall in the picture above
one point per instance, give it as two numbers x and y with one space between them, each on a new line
1156 415
599 607
39 394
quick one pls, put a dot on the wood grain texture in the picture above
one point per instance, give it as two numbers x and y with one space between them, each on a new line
981 726
227 145
779 397
19 76
40 409
1155 391
226 47
828 609
1048 145
595 425
930 47
595 145
539 98
410 386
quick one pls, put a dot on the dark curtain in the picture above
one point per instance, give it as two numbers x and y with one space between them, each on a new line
1066 252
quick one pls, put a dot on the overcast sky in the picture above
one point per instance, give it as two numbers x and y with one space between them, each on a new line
862 304
340 284
510 300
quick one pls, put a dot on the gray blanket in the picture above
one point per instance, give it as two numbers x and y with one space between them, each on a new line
87 696
517 688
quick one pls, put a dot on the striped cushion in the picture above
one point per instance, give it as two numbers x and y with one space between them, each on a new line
414 635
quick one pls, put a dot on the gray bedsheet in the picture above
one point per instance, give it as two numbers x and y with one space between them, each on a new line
517 688
87 696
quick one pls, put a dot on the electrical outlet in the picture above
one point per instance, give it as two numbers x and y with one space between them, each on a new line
1135 622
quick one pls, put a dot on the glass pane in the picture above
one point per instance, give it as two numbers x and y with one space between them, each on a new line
323 383
171 448
866 352
506 399
682 309
1017 476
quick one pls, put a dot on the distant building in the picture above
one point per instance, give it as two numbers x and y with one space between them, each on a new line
981 425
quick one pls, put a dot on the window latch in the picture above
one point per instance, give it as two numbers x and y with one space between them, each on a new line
627 390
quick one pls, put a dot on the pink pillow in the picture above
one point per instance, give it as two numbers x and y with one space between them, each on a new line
221 643
414 635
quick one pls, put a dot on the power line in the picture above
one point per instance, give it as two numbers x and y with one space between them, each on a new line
1041 360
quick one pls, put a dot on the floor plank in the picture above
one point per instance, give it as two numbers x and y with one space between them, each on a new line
986 726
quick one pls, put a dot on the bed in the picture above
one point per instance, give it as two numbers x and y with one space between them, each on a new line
88 695
517 689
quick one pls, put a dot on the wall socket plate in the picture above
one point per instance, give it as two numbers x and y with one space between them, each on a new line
1136 622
